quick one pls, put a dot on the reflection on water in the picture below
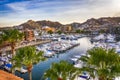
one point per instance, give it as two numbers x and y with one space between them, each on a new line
40 68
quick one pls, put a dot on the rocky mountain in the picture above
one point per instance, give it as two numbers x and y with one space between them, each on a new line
30 24
5 28
55 25
101 23
92 24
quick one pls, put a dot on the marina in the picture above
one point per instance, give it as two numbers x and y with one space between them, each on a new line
40 68
107 42
56 47
63 49
60 40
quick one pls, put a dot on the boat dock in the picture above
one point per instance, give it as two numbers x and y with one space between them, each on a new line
56 47
67 48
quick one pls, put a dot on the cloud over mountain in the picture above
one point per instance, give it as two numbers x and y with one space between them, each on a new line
64 11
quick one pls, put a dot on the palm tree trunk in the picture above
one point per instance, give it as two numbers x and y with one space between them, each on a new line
101 78
13 53
13 49
30 75
29 68
60 79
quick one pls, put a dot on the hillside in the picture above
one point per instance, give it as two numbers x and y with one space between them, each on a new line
104 23
55 25
30 24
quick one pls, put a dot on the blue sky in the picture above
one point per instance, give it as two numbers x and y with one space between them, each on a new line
15 12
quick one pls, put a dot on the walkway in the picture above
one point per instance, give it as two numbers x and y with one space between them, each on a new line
8 48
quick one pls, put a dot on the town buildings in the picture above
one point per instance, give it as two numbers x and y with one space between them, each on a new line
66 28
29 35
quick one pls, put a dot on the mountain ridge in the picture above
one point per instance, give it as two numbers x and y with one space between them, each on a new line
90 23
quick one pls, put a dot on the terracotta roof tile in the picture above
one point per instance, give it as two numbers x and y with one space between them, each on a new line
8 76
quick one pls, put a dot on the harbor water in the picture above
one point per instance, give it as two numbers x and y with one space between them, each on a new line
40 68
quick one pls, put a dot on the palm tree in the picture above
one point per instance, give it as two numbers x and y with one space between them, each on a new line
61 71
27 56
11 37
103 63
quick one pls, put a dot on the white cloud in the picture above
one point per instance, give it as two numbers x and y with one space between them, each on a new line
18 6
65 12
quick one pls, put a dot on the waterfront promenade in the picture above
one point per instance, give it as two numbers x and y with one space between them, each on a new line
8 48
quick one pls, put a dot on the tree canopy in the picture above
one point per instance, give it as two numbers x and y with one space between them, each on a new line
27 57
103 63
62 71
